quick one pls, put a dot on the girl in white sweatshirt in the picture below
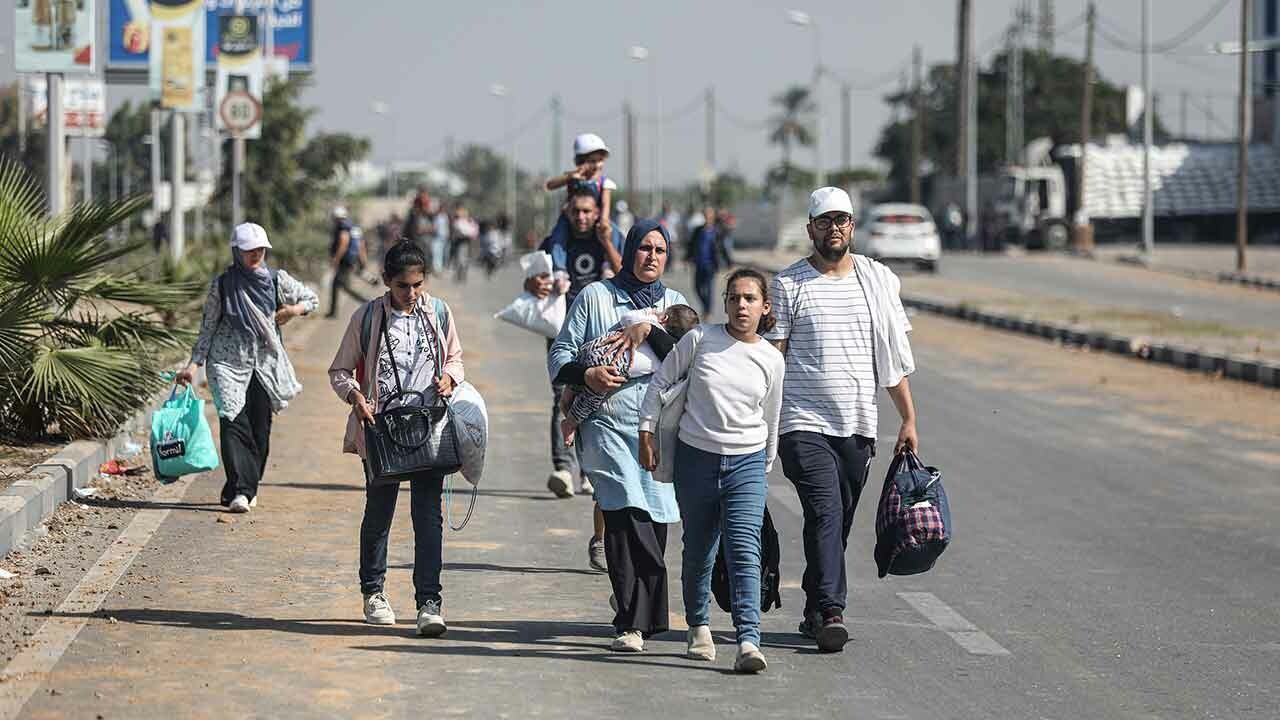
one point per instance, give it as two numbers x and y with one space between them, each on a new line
727 440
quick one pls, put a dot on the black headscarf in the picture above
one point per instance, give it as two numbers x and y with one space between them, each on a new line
643 295
248 296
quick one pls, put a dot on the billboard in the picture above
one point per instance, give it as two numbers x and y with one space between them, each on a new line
129 40
84 104
53 36
239 81
176 64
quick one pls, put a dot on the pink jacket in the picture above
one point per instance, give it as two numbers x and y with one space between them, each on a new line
350 356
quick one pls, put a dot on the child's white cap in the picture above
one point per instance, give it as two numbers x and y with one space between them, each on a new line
587 143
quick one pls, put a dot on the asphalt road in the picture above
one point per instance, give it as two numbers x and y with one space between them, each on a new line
1113 285
1112 560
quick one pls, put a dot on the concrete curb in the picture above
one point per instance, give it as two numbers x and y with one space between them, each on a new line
1253 281
1194 359
27 503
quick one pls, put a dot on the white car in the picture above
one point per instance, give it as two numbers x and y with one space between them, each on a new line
899 232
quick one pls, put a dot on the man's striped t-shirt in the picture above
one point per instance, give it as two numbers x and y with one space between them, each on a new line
830 383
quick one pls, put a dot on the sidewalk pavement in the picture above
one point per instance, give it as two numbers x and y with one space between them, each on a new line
1206 261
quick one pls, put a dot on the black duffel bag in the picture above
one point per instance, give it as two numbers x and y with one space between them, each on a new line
411 438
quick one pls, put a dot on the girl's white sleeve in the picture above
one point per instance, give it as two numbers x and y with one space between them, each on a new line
674 367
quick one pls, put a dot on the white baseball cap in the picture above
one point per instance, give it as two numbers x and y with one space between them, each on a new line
587 143
829 199
249 236
339 212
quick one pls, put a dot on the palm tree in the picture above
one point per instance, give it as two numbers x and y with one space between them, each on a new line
792 123
80 338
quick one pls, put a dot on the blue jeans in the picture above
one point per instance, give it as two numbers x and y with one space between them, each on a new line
721 493
428 535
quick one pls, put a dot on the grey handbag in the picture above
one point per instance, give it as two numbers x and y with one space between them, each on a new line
412 438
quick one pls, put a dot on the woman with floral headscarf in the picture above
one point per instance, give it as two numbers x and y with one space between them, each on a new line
249 373
637 508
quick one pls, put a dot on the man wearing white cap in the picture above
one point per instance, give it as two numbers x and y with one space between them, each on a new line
250 376
346 253
842 328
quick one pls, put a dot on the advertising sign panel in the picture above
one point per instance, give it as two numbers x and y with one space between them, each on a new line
84 104
53 36
239 83
176 68
129 42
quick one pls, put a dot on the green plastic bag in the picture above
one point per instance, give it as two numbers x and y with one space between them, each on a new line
181 442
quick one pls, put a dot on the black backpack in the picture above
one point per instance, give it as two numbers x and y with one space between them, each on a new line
770 576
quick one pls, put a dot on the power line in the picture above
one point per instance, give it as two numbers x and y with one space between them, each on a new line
738 121
1116 39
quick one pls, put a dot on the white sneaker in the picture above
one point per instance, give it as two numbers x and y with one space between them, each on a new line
560 482
430 621
586 488
239 505
630 641
701 645
254 502
750 659
377 611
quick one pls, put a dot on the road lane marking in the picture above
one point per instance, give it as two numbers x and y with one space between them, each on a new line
28 671
966 634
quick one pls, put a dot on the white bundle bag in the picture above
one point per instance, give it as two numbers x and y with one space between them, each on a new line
471 422
667 433
542 316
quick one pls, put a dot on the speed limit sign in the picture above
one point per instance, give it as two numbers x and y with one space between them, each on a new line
239 111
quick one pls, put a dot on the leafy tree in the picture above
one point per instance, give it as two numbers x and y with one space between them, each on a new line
728 189
285 174
33 158
484 171
792 124
78 340
1052 92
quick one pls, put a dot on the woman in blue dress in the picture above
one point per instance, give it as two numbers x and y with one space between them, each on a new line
636 508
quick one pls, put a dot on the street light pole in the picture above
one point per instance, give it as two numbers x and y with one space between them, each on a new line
500 91
639 53
802 19
1242 161
1148 216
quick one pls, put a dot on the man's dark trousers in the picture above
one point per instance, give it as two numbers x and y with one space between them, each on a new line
829 474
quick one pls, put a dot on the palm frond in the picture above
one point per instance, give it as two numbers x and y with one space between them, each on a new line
162 296
20 322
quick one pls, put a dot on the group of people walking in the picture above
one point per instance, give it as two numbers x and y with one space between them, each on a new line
792 373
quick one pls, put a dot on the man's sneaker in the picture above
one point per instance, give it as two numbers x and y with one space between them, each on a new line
595 555
630 641
560 482
377 611
254 502
811 624
430 621
586 488
750 659
833 634
239 505
701 645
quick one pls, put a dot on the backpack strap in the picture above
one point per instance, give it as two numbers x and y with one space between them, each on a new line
442 316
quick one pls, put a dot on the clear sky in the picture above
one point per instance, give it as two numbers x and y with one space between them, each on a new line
434 63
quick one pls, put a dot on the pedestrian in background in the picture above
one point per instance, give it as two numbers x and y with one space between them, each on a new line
346 256
406 346
708 255
636 508
841 327
464 230
250 376
419 225
727 440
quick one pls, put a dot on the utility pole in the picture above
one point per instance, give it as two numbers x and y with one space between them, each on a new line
556 150
1083 228
1148 211
177 172
56 151
1046 26
966 138
917 125
629 133
1013 90
846 125
710 112
22 118
1182 116
962 89
1242 161
237 152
